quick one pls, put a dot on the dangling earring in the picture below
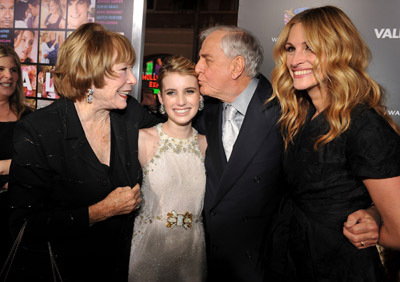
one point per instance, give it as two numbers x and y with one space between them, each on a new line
162 109
201 105
89 96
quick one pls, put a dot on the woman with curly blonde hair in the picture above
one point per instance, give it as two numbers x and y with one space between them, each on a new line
342 151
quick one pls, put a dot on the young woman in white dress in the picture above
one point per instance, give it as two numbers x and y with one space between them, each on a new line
168 241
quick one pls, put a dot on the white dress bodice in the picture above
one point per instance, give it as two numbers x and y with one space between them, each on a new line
168 240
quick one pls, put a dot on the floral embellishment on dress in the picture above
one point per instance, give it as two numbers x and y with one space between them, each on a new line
175 219
176 145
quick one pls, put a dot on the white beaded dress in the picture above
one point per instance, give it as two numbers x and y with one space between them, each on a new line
168 241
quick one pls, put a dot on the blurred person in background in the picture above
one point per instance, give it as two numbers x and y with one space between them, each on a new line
78 13
24 41
56 17
6 13
12 109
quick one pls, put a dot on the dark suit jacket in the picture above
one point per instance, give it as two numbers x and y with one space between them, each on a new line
55 176
243 194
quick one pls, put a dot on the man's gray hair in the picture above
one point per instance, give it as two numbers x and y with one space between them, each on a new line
239 42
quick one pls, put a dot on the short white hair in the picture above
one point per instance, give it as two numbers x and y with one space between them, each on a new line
239 42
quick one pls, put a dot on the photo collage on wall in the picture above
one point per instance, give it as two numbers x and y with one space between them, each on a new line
37 28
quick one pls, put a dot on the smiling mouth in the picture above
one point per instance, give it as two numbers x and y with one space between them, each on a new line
123 94
75 17
6 84
302 72
182 111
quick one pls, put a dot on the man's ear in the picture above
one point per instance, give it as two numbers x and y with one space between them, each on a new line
237 67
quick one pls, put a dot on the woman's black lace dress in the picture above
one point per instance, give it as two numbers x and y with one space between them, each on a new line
325 186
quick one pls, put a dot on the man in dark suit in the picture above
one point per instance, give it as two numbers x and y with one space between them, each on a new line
243 183
243 159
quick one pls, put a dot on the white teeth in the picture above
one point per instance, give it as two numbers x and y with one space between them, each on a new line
182 111
123 92
6 84
302 72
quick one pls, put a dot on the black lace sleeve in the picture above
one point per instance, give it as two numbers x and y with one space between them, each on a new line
374 147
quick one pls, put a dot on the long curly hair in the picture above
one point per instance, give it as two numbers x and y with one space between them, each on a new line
343 57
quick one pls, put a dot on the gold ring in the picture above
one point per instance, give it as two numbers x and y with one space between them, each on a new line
362 243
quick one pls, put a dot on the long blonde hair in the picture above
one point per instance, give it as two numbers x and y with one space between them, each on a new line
331 35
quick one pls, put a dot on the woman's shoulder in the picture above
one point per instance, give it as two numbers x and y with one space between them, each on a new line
202 138
373 146
46 116
364 116
148 138
366 124
26 111
148 133
202 143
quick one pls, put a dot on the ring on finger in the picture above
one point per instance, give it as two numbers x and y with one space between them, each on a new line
362 243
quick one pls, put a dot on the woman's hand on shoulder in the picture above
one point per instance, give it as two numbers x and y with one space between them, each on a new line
122 200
